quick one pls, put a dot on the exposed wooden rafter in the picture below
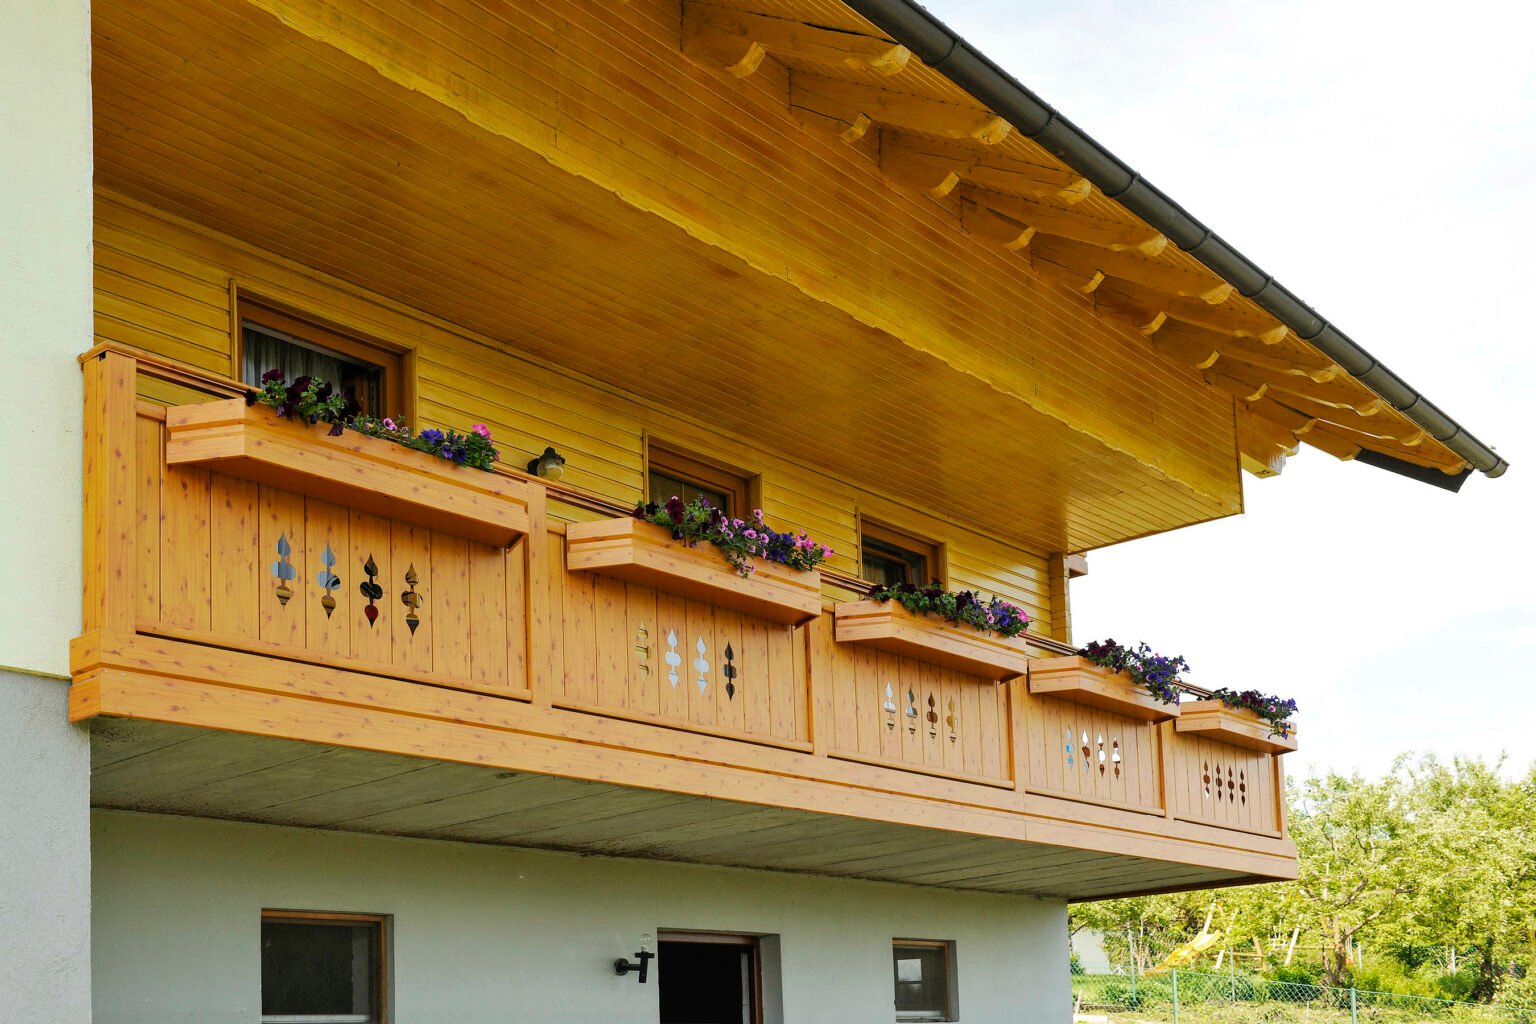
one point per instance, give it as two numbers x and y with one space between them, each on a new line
1055 220
1086 260
1144 304
845 101
737 42
936 166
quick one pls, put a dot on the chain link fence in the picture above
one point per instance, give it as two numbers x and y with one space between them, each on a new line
1192 997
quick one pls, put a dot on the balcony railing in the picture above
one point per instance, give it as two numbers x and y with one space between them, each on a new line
214 535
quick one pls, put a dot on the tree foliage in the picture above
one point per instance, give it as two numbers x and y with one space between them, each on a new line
1433 857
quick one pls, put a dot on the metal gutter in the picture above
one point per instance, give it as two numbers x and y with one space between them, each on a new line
941 49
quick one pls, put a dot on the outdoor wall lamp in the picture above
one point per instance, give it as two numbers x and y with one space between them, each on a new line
623 966
550 465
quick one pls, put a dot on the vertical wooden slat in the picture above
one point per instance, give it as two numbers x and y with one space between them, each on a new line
867 689
237 562
613 643
281 516
452 623
186 549
410 548
730 706
149 471
645 668
672 621
768 682
111 568
835 672
990 703
701 629
325 526
546 617
967 695
368 538
785 677
579 649
489 650
514 654
805 696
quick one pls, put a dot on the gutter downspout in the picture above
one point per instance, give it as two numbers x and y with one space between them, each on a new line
941 49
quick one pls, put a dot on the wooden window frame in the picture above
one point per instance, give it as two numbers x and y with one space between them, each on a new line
743 489
931 551
752 942
392 362
951 1007
381 974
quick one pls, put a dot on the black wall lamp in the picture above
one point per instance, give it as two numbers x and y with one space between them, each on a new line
550 465
623 965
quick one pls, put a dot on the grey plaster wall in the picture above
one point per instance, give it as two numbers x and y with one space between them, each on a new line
45 846
486 934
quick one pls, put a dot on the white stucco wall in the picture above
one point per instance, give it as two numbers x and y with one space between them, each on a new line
45 321
45 868
487 934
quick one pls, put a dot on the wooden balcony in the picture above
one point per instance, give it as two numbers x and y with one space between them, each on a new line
259 610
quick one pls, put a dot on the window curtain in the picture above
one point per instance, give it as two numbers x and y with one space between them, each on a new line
264 349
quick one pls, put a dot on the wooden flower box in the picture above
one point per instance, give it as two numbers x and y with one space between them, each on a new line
1238 726
887 626
1080 681
365 473
640 552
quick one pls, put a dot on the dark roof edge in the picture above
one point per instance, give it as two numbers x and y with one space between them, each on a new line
941 49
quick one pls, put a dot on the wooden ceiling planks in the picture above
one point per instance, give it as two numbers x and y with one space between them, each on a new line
853 105
173 769
264 135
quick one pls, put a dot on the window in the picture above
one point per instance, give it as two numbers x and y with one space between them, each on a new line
322 968
888 556
674 473
924 980
273 340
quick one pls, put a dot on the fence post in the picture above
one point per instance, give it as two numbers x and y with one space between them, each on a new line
1354 1013
1175 995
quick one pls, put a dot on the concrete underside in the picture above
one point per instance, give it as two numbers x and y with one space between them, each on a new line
174 769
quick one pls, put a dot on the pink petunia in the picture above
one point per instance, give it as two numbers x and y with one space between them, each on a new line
483 430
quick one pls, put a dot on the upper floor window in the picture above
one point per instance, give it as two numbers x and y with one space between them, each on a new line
888 556
671 472
270 340
924 979
322 968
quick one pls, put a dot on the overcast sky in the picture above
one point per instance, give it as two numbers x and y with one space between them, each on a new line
1380 160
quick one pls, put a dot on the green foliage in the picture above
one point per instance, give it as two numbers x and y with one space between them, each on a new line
1432 856
962 607
740 541
313 401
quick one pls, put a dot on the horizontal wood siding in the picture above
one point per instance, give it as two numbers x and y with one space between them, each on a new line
175 272
558 173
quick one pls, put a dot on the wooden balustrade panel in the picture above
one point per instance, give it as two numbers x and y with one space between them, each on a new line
1216 783
637 652
250 566
1081 752
904 713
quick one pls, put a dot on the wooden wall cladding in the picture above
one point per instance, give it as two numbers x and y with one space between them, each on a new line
255 567
1217 783
886 709
1082 752
636 651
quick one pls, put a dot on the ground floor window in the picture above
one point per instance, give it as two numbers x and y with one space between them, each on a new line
924 979
709 978
322 968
